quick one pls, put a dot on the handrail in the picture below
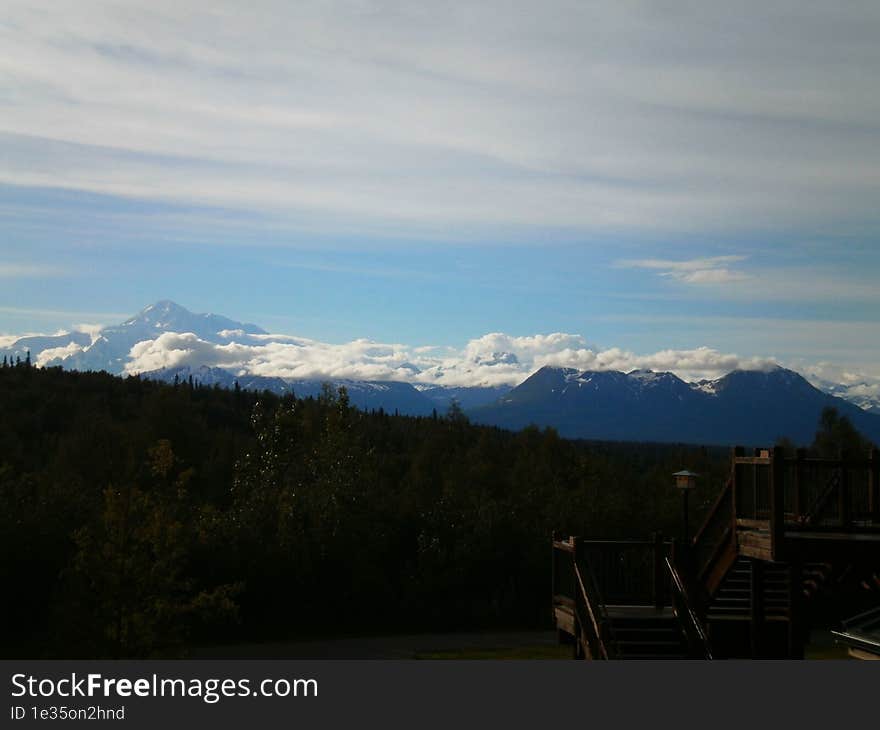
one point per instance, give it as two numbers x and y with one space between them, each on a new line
624 543
595 607
723 495
594 624
585 602
868 618
821 502
690 622
720 520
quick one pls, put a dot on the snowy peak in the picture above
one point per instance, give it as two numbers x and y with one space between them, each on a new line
168 316
747 407
161 314
864 394
636 380
777 378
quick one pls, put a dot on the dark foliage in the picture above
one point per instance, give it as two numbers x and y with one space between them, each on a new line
139 518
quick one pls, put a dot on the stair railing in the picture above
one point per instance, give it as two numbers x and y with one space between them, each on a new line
867 621
717 532
591 612
698 642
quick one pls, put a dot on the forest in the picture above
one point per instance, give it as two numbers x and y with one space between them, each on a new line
141 519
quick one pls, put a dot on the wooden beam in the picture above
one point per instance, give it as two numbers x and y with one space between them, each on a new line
864 655
750 524
738 451
777 504
564 620
754 544
577 629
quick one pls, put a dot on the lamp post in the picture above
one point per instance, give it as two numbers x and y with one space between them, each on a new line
685 481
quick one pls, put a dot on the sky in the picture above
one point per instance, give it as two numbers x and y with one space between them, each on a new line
649 176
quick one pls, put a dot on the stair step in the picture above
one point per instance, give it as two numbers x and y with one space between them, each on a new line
743 617
618 631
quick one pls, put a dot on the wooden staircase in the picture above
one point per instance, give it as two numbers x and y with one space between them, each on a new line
734 598
647 636
658 623
740 588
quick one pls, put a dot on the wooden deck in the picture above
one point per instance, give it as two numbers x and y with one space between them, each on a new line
782 528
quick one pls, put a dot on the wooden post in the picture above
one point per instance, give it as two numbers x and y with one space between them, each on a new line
579 609
659 599
737 451
755 471
777 504
756 594
874 487
554 581
843 501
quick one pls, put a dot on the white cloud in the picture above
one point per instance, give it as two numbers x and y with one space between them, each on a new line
494 359
46 356
91 329
9 340
712 270
28 271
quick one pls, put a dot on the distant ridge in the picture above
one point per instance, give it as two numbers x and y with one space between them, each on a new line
642 405
391 397
746 407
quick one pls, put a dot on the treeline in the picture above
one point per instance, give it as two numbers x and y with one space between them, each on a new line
139 519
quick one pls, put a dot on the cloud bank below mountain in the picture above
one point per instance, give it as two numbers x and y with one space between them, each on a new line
491 360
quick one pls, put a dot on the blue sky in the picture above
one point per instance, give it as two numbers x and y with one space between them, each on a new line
646 176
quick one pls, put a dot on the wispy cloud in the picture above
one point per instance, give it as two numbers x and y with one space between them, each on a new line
66 314
577 115
712 270
29 271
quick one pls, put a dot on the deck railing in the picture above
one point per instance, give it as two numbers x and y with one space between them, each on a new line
589 575
800 493
626 570
576 589
683 606
716 532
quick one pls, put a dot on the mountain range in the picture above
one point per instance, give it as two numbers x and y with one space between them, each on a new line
748 407
743 407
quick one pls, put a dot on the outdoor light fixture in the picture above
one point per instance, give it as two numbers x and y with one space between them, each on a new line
685 479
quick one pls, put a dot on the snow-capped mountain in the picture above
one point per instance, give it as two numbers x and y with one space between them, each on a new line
642 404
746 407
109 350
865 395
